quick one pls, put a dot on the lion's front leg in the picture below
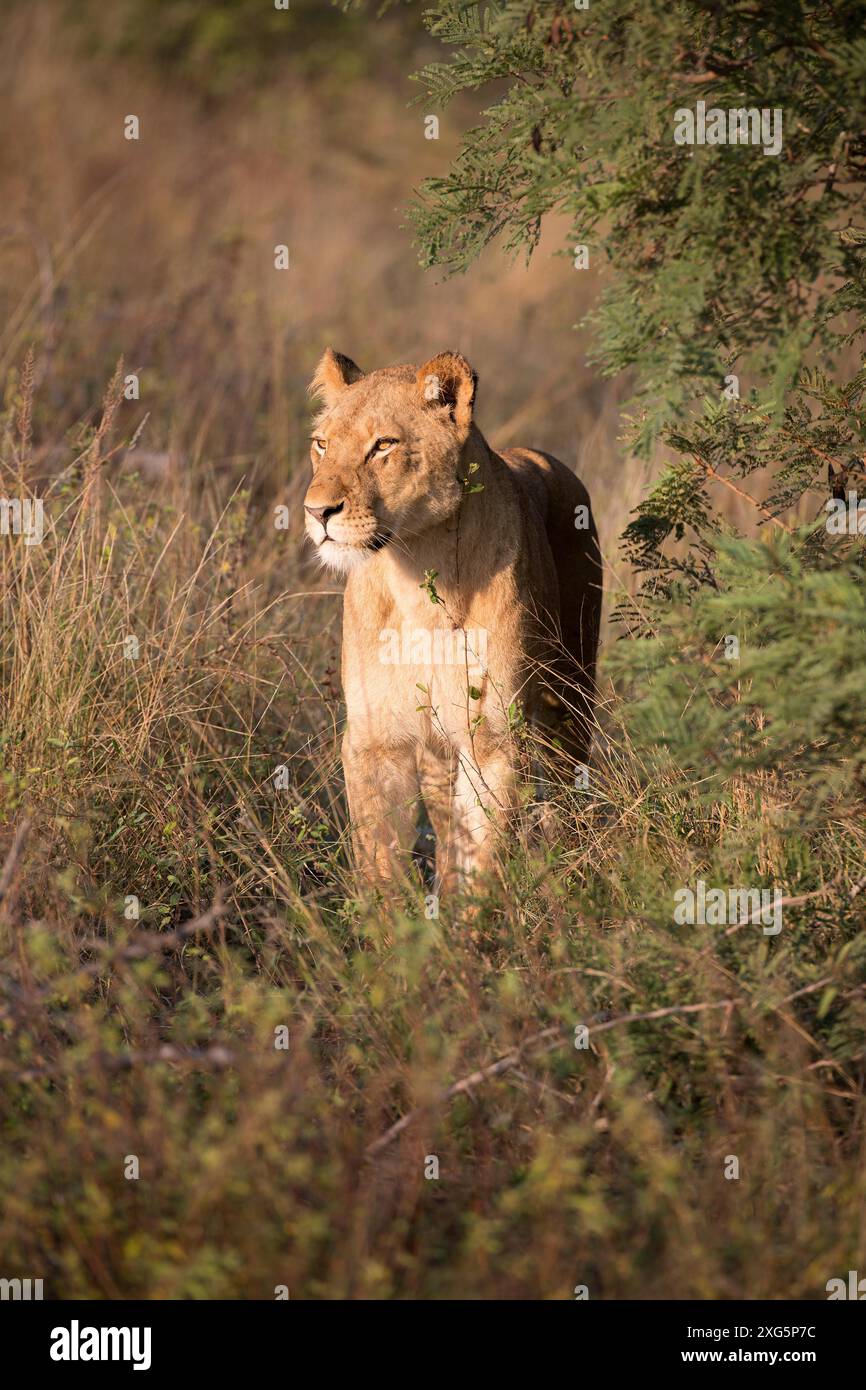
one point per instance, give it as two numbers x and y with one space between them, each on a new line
483 803
382 791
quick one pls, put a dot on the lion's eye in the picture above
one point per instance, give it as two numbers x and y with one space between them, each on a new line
383 445
320 445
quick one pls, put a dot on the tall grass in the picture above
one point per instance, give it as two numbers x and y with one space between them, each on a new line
151 777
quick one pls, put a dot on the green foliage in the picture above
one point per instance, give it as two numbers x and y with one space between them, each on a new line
790 701
221 47
717 254
725 265
816 444
738 677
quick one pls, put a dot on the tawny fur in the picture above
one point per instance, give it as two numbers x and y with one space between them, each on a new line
498 530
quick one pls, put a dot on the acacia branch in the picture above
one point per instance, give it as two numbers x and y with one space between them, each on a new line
545 1041
726 482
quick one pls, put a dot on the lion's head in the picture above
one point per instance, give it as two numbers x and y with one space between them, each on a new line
386 451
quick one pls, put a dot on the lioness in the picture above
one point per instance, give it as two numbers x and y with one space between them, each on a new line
472 605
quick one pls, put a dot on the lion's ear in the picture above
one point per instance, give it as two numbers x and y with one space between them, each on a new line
333 374
449 380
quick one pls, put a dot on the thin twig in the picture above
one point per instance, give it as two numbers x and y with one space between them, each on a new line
215 1056
16 849
797 901
726 482
550 1038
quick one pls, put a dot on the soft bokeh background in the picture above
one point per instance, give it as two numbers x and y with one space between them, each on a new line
259 128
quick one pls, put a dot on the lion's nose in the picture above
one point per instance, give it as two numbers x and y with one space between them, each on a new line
323 513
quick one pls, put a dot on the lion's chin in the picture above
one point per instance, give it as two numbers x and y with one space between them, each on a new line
342 559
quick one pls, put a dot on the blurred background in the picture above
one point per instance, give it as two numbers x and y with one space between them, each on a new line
259 127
